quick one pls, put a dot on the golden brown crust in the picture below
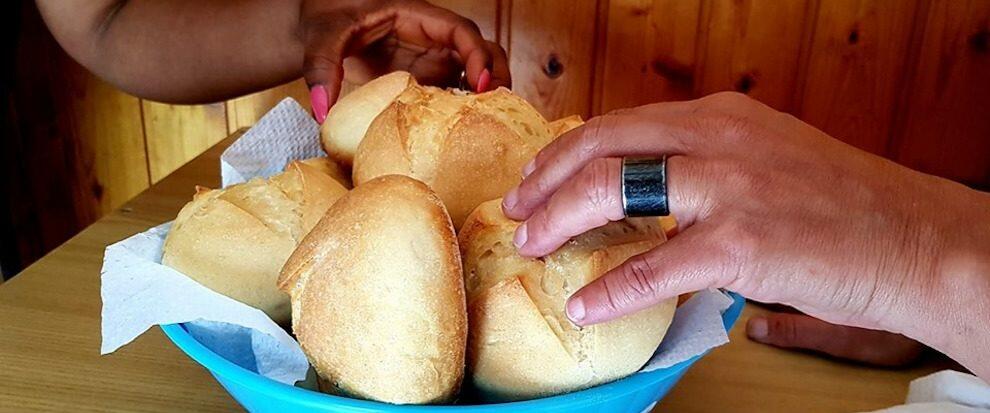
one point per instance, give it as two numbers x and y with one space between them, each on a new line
565 124
377 295
235 240
521 343
467 148
349 118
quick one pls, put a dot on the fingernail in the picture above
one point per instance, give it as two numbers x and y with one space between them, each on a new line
511 198
575 310
519 238
529 168
757 328
320 103
483 80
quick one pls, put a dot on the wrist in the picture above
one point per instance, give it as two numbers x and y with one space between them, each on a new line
957 322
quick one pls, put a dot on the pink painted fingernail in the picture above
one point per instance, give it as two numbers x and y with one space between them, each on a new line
529 168
575 310
519 238
484 79
320 103
757 328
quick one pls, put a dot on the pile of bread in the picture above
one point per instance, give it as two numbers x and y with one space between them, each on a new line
387 298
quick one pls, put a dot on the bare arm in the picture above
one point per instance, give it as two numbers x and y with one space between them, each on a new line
193 51
181 51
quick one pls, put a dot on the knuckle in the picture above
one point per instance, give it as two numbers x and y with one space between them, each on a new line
782 330
739 241
596 183
588 143
637 276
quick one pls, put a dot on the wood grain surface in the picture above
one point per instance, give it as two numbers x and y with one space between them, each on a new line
50 338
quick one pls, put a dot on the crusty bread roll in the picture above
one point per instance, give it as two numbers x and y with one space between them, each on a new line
521 344
563 125
349 118
235 240
468 148
378 296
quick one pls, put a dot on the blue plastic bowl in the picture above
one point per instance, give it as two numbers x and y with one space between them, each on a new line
257 393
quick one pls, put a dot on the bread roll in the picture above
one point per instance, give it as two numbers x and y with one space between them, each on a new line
235 240
378 296
467 148
563 125
521 344
349 118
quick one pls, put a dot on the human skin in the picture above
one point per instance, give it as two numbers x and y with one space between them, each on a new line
196 51
776 210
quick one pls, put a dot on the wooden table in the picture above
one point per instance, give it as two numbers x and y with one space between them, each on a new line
50 339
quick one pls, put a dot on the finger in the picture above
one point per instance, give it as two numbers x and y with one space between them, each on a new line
500 76
592 199
628 133
448 29
799 331
323 66
690 262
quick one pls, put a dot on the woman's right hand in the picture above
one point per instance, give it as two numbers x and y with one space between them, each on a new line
381 36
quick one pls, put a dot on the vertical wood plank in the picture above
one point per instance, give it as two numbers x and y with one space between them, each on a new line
244 111
855 69
107 125
946 127
649 52
177 133
754 47
483 13
73 146
552 47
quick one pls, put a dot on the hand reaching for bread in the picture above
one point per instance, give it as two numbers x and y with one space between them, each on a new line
776 210
378 37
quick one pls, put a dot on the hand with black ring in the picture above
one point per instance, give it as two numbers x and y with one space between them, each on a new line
776 210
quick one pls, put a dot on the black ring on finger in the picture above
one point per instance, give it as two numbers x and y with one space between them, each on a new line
644 187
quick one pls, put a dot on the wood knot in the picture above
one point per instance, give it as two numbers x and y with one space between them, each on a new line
97 190
980 41
672 70
745 83
553 68
854 36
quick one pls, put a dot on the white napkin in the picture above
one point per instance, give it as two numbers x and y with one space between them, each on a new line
286 133
138 292
946 391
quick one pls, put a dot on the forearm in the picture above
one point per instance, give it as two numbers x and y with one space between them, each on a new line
179 50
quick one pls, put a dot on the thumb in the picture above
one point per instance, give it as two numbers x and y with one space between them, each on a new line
800 331
689 262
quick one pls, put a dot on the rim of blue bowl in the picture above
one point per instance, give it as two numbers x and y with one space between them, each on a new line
226 369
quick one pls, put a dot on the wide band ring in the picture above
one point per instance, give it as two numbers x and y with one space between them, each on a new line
644 187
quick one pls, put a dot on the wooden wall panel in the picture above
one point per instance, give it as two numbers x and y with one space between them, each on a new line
754 47
552 55
649 52
856 69
246 110
73 146
946 129
483 13
177 133
111 137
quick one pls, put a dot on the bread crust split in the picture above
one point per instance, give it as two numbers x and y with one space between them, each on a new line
521 344
377 295
235 240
